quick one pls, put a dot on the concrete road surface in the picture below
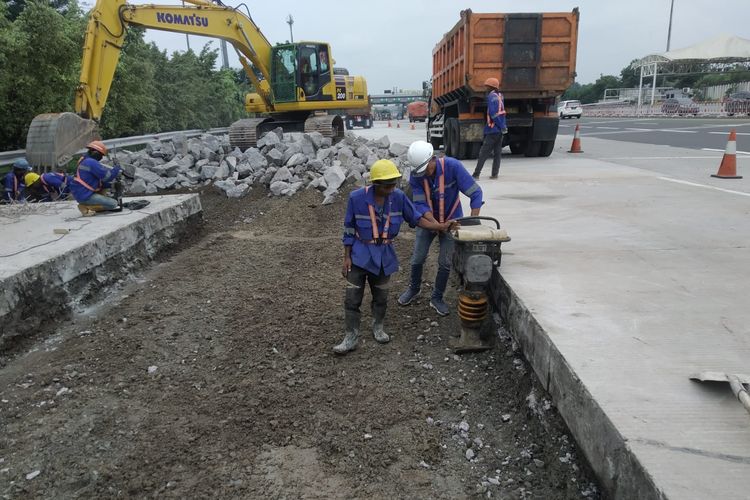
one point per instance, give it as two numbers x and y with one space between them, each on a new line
631 271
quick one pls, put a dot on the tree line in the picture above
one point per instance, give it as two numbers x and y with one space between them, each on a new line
630 77
40 59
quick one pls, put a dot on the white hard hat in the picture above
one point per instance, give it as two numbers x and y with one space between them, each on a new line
419 155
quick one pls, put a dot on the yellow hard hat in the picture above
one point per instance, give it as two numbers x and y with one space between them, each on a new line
384 172
30 178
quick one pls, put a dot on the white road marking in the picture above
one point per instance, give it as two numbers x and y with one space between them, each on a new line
641 129
727 133
609 128
677 131
663 158
695 184
721 150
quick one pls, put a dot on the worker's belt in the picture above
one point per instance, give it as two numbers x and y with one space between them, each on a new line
379 241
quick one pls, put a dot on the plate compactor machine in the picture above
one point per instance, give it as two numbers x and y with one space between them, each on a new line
475 255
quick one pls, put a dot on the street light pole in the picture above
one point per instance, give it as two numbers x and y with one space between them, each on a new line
669 33
290 22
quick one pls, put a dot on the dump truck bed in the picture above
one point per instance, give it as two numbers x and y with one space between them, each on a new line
533 55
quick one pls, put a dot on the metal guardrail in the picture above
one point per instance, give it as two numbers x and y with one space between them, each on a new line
8 157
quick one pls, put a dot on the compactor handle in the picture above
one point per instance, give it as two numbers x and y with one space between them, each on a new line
475 220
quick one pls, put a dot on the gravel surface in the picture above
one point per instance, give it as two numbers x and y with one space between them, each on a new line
211 374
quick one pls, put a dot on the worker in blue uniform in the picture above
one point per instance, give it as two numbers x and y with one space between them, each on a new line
91 179
13 182
374 215
50 186
494 130
436 184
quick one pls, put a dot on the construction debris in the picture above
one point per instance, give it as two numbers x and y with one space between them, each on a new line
282 162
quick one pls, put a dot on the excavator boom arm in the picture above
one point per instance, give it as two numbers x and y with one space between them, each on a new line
108 24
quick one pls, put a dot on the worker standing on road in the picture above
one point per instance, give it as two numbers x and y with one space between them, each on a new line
13 182
436 184
374 215
91 179
50 186
494 130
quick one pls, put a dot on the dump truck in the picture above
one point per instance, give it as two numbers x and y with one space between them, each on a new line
534 58
417 111
298 88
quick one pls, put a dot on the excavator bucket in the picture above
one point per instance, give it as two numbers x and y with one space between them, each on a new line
54 138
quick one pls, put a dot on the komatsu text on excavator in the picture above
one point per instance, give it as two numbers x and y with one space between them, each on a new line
295 82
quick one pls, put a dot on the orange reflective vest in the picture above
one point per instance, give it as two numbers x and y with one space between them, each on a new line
82 182
441 194
382 238
500 111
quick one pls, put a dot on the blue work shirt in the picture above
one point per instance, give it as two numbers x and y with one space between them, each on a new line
375 258
495 113
12 188
57 183
94 176
457 179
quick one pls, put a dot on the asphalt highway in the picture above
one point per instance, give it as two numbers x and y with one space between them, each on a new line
708 134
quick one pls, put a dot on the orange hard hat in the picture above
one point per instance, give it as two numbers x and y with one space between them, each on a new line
97 146
492 82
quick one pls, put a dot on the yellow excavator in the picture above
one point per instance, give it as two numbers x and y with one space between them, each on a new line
296 85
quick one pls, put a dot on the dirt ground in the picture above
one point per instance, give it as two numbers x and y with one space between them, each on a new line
211 375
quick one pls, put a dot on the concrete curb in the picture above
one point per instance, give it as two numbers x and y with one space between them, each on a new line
614 463
50 289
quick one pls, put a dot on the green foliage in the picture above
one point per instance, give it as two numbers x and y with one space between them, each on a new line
40 57
591 92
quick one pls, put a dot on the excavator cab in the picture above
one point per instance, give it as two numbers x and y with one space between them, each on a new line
300 72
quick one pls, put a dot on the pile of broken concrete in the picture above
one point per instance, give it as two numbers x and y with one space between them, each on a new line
282 162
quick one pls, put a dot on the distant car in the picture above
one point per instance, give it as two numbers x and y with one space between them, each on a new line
679 106
570 109
738 103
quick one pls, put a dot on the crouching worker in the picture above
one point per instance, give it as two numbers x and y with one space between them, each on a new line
374 215
91 179
13 182
50 186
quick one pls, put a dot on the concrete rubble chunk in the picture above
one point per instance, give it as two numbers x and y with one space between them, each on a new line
274 157
330 198
180 143
362 152
268 139
222 172
138 187
293 149
232 162
211 142
334 177
326 142
238 191
195 146
279 188
282 174
128 170
224 185
398 149
384 142
151 189
324 154
170 182
316 138
370 161
146 175
208 171
244 170
345 156
296 159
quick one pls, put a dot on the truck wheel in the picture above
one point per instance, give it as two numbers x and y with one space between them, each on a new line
546 148
517 148
458 148
448 137
532 148
474 148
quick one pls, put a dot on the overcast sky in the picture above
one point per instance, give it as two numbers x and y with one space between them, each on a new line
390 42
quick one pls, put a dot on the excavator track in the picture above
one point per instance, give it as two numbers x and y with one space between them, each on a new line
243 133
329 125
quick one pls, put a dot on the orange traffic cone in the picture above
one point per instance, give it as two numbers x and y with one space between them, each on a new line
389 124
576 146
412 126
728 167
